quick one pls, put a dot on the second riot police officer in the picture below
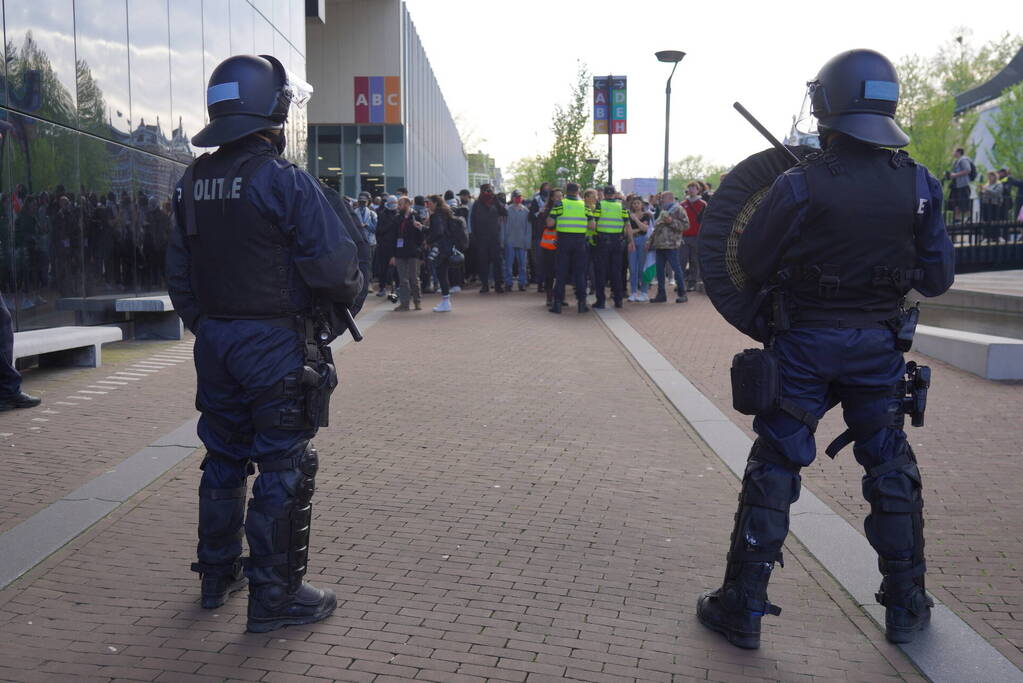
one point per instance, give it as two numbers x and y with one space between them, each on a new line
838 242
255 250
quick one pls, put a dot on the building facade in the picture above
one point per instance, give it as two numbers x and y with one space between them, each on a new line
99 101
378 120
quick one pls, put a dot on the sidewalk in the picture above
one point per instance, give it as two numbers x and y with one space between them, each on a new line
503 495
969 454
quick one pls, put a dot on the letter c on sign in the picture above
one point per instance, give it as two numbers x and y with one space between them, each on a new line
392 99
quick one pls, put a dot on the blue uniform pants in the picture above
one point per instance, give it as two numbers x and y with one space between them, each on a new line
236 362
857 368
571 256
10 378
608 260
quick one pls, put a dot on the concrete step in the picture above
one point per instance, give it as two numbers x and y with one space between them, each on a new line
985 355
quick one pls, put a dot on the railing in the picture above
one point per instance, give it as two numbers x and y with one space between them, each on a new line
987 245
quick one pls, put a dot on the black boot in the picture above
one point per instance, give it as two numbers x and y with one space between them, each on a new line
907 605
555 307
735 609
218 582
599 305
221 517
660 298
581 307
18 401
279 545
769 486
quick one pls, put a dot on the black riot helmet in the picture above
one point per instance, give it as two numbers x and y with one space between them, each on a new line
247 94
856 93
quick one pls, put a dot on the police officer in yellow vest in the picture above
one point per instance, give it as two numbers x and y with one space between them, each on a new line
609 251
571 220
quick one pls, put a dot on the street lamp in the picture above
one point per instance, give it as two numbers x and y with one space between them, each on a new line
674 57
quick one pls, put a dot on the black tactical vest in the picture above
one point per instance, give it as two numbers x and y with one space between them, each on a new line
856 250
241 263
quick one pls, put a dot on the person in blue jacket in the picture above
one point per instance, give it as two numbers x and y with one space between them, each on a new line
841 239
255 251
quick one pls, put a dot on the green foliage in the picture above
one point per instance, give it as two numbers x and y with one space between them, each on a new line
573 145
1007 129
934 133
681 173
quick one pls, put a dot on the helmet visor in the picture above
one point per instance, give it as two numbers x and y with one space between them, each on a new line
297 90
806 122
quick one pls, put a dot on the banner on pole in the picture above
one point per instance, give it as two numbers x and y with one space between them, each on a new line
609 105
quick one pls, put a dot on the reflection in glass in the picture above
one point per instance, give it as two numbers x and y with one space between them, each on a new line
105 201
47 255
394 150
216 39
101 35
155 179
188 86
150 75
371 159
328 155
241 27
41 58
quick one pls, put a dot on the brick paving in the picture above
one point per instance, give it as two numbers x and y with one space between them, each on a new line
503 496
90 420
969 454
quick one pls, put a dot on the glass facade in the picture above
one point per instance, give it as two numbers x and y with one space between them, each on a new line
98 102
358 158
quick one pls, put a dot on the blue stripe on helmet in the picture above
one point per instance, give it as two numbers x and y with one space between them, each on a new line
221 92
881 90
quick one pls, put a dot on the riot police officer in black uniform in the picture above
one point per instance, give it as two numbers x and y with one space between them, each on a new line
840 240
255 252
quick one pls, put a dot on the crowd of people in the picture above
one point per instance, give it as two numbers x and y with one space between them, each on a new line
994 189
499 243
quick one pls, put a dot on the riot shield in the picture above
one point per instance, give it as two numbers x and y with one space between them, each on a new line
733 204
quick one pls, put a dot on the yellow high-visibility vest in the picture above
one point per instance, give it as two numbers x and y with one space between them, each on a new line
611 217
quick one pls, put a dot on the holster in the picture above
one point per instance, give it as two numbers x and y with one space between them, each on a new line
756 387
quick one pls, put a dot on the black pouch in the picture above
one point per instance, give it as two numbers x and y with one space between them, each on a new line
907 329
755 383
318 384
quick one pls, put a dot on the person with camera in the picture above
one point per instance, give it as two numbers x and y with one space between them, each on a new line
834 271
408 241
445 235
258 261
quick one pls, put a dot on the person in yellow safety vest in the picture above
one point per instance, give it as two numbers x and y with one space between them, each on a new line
613 232
572 219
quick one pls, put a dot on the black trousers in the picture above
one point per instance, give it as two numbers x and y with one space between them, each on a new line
571 255
488 253
608 255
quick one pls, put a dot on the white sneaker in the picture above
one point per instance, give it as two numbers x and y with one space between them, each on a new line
632 298
444 306
642 296
454 289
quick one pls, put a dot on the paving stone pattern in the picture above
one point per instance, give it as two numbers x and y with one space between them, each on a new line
970 455
503 496
90 420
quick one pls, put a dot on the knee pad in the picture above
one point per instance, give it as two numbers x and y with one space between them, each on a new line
770 485
894 526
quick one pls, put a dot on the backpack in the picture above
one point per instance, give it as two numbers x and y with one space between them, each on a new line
973 169
458 233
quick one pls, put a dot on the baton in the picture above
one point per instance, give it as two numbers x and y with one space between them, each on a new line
763 131
352 326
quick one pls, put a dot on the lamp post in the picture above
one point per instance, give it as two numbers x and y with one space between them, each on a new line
673 57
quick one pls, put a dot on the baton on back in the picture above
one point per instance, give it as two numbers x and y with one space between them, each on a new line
763 131
353 327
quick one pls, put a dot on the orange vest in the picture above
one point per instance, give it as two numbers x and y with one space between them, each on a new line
549 240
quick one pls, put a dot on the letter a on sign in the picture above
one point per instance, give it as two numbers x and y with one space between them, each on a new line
361 99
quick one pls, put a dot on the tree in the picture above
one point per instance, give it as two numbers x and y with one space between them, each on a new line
681 173
1007 129
573 145
934 133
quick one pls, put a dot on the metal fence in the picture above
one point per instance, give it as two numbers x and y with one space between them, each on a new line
987 245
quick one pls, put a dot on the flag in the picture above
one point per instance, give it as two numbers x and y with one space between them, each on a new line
649 268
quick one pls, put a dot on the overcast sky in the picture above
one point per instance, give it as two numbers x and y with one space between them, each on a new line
503 65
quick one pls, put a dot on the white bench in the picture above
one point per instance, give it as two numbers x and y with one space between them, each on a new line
55 346
986 355
154 316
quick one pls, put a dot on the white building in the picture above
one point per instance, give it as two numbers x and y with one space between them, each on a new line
377 120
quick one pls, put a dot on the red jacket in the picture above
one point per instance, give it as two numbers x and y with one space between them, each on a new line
695 211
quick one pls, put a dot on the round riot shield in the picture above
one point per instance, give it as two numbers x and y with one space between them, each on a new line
724 221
